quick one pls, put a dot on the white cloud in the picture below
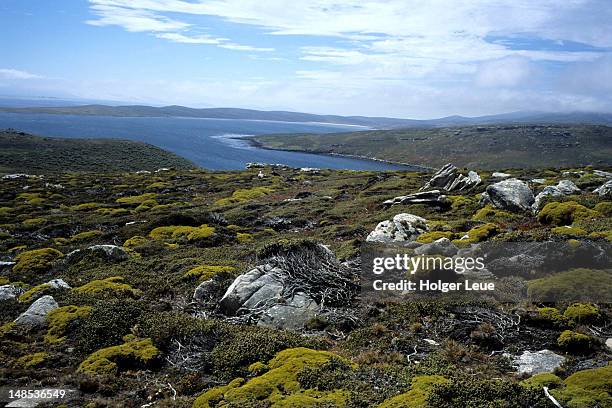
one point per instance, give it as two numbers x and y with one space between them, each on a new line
134 20
8 73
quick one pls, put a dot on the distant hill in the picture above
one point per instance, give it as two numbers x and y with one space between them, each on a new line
485 147
372 122
24 153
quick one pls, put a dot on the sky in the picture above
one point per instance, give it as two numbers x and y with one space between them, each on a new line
400 58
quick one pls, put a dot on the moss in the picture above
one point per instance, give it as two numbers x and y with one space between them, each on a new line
417 396
36 261
258 368
432 236
243 195
460 201
86 236
113 212
565 213
31 198
490 214
178 232
574 341
136 200
569 231
158 185
571 285
35 292
542 380
32 360
552 315
604 208
146 205
581 313
279 386
206 272
34 221
243 238
60 318
5 211
482 232
85 207
110 286
602 234
587 388
110 360
135 241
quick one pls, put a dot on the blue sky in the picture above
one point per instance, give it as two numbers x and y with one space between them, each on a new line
404 58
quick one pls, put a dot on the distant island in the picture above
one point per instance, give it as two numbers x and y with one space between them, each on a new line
485 147
22 152
286 116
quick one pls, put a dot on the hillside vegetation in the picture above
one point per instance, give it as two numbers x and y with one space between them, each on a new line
486 147
21 152
127 274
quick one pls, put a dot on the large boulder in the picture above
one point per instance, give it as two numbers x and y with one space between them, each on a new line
449 179
432 197
564 187
543 361
36 315
292 286
510 195
402 228
108 252
605 190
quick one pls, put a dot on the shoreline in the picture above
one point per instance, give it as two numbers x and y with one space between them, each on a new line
257 144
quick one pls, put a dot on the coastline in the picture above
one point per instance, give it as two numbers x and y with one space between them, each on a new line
257 144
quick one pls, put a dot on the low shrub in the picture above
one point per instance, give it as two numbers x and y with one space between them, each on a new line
243 195
573 341
32 360
136 200
572 285
206 272
569 231
86 236
587 388
416 397
581 313
604 208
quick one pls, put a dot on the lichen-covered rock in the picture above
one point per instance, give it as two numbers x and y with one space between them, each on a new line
292 315
252 289
433 198
109 252
36 315
10 292
605 190
402 228
543 361
511 195
449 179
564 187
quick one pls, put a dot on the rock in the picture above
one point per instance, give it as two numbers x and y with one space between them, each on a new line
605 190
500 175
602 173
510 195
293 315
58 284
7 263
431 342
564 187
538 181
543 361
449 179
442 246
433 197
252 289
110 252
609 343
402 228
10 292
36 315
205 290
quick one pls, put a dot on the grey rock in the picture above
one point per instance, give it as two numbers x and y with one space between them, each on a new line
543 361
538 181
432 197
252 289
605 190
442 246
10 292
110 252
449 179
36 315
58 284
564 187
204 290
510 195
402 228
602 173
7 263
293 315
500 175
609 343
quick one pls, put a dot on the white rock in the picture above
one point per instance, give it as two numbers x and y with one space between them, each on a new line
36 315
605 190
510 195
10 292
543 361
500 175
402 228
